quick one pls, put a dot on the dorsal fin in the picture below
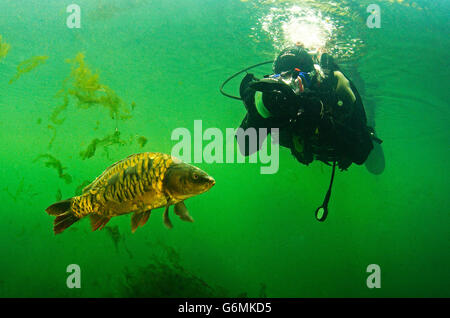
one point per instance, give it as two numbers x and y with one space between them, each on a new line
88 187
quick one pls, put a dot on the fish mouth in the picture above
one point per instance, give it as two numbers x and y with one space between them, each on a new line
211 182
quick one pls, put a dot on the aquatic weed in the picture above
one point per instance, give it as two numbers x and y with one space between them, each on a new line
4 48
27 66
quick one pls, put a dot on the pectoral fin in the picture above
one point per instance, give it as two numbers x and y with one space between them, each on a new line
182 212
166 219
139 219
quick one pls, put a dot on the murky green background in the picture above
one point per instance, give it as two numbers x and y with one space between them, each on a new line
254 235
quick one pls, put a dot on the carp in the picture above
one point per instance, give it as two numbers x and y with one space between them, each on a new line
137 184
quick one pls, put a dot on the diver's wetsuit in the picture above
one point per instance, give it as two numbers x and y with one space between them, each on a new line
315 125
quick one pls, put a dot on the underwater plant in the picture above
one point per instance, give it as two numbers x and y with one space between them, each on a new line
106 141
165 277
21 191
27 66
84 86
114 233
81 186
88 90
54 163
4 48
58 195
57 111
52 128
142 141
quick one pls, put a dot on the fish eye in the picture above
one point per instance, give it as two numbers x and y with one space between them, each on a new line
195 176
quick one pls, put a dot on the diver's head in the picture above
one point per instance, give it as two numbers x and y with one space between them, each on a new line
293 57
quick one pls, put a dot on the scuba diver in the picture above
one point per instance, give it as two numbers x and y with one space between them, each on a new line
317 109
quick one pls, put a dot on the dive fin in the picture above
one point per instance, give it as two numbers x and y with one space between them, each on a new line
376 162
139 219
166 219
182 212
98 222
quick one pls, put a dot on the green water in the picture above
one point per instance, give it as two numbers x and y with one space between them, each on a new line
253 235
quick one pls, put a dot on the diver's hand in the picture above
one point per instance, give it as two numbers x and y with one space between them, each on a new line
343 89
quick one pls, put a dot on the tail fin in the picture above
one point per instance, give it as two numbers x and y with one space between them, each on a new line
64 215
60 207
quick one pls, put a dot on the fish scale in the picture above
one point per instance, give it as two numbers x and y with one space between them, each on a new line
121 166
